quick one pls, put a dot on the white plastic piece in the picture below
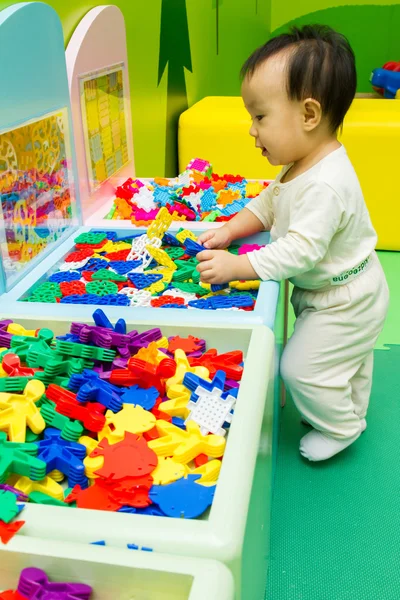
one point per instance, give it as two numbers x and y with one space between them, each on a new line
187 296
211 411
137 297
73 266
184 178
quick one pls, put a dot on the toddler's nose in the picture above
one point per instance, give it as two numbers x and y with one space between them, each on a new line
253 130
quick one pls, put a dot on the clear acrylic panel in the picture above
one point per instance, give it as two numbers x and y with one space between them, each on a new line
36 189
104 117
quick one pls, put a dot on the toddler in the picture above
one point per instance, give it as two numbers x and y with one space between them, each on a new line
297 89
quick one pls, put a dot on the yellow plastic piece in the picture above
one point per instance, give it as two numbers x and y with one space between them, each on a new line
218 129
209 472
253 188
46 486
151 354
20 411
184 446
56 476
156 287
168 471
16 329
116 246
161 257
2 371
176 406
160 225
245 285
164 271
101 256
183 367
131 418
184 234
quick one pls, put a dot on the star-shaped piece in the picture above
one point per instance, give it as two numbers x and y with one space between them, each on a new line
63 456
17 411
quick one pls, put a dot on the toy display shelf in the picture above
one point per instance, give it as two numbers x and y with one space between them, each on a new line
235 529
97 219
117 574
264 311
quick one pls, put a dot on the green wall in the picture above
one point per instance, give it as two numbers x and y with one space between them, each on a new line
182 50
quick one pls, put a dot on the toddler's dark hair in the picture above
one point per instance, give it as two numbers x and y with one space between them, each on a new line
321 65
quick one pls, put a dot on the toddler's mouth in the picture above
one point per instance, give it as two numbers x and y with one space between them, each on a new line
265 152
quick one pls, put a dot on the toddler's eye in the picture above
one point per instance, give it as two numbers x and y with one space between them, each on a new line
259 117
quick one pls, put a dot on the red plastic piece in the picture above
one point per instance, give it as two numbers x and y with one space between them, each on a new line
12 366
98 497
92 246
200 460
228 362
11 595
133 491
153 433
188 345
119 255
72 287
80 255
145 374
66 404
162 300
129 458
87 275
8 530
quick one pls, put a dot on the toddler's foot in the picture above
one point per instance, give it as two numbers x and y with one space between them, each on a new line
363 423
316 446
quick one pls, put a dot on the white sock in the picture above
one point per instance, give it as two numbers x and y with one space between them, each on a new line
363 423
316 446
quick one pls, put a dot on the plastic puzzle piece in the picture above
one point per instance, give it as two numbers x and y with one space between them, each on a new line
90 238
21 459
142 281
101 320
63 456
184 446
230 363
144 373
184 234
146 398
108 275
34 585
12 366
9 507
179 398
84 351
160 225
168 471
183 498
209 472
69 288
183 367
70 430
188 344
129 457
47 486
101 288
8 530
67 405
19 411
131 419
193 248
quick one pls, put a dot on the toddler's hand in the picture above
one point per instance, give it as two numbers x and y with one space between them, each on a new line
215 238
217 266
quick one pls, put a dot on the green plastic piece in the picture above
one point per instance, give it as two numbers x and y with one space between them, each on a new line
101 288
196 276
107 275
111 213
191 288
83 351
212 216
234 249
48 288
70 430
22 345
54 364
8 506
20 458
90 238
44 297
183 273
40 498
192 262
174 252
31 437
13 385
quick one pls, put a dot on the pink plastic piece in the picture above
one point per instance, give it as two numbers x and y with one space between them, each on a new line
249 248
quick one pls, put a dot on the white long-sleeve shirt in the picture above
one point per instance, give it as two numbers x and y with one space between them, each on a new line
319 224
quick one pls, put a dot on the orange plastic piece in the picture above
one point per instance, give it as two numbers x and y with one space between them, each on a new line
218 185
189 344
123 207
161 181
228 196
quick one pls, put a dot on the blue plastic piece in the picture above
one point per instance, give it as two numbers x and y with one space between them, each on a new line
388 80
142 281
152 511
99 543
217 287
132 547
91 388
94 264
78 299
192 248
174 306
183 498
69 337
170 240
113 300
64 276
178 422
101 320
192 381
137 395
232 209
208 200
64 456
161 197
215 302
127 509
122 267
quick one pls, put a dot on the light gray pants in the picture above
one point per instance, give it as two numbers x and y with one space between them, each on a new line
327 363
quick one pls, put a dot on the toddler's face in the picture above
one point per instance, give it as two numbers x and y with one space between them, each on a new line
276 120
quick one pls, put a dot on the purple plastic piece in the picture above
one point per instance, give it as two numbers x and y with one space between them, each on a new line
34 585
5 339
102 337
142 340
20 495
4 323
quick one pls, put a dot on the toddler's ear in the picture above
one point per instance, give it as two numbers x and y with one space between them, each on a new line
312 114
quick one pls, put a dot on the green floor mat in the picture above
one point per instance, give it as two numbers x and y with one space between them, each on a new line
336 525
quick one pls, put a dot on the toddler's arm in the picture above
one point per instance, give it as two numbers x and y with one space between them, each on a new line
243 224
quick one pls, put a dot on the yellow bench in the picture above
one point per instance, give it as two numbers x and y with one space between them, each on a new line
217 128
